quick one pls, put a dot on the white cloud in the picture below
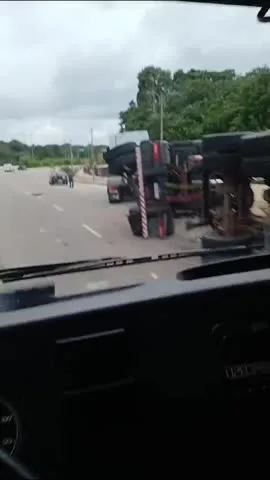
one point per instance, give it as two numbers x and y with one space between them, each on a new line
69 66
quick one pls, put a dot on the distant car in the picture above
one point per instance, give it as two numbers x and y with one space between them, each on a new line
58 178
117 189
8 167
21 167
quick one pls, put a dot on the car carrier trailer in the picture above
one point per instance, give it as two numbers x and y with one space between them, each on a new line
165 176
237 158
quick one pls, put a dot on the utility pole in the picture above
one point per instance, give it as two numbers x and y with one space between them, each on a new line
92 161
32 147
91 146
161 100
71 154
65 144
161 115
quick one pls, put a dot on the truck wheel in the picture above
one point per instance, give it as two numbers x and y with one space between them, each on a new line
255 146
223 142
155 172
170 224
134 221
117 165
112 200
120 150
215 240
153 213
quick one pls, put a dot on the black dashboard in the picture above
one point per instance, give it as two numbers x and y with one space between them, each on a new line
107 380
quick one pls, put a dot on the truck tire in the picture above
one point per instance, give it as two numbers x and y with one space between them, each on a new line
215 240
221 163
134 218
152 210
223 142
179 154
216 199
256 145
184 146
155 172
126 160
180 144
118 165
124 149
164 148
256 166
147 154
111 201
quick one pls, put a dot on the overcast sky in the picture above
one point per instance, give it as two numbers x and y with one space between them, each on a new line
70 66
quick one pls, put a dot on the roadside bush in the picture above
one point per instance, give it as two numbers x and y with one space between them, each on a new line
49 162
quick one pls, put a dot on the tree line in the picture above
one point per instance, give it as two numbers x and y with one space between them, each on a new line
198 102
17 152
194 103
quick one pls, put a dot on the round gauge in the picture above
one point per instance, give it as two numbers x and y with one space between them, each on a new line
9 427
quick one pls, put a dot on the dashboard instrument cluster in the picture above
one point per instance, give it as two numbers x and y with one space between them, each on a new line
244 350
9 427
88 376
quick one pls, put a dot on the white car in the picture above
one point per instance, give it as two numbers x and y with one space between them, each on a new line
8 167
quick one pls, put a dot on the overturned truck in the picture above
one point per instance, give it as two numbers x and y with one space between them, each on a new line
170 182
236 158
143 168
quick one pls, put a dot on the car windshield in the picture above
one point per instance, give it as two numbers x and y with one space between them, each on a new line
138 134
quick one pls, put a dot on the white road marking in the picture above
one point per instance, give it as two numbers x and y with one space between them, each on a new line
60 209
97 285
154 275
98 186
42 230
89 190
91 230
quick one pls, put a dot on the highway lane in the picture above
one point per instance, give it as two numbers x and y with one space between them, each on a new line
44 224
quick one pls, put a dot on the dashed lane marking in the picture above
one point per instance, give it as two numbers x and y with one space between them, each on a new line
42 230
154 275
59 209
89 229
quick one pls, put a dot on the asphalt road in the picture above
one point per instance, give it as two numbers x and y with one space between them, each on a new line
44 224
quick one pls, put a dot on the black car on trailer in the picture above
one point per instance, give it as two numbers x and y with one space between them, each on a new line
58 178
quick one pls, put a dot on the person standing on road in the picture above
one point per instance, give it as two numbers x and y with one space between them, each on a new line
71 178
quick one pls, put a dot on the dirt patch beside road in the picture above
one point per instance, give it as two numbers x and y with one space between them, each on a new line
82 177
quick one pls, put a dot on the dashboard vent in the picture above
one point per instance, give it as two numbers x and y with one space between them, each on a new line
94 361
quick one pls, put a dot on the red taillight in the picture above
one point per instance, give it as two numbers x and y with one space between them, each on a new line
161 229
112 188
155 152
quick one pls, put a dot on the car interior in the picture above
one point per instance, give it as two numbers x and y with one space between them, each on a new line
133 380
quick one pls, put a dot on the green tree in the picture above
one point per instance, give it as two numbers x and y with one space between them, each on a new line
17 152
152 83
198 102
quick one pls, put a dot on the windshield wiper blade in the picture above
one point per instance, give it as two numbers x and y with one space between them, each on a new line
39 271
34 271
